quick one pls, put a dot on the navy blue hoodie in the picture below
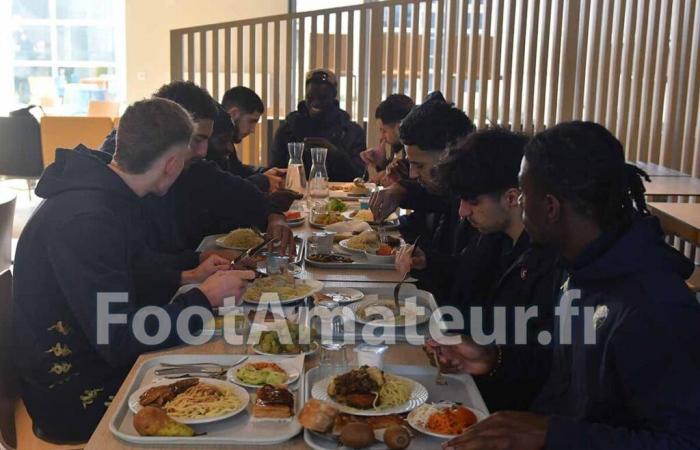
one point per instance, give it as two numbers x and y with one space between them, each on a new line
81 241
638 387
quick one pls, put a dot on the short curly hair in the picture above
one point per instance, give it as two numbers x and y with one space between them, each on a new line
394 108
193 98
434 124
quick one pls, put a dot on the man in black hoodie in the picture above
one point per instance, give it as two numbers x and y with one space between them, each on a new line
76 263
319 122
626 362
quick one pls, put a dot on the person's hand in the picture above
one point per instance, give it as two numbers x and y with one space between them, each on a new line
210 266
507 430
467 356
224 253
410 257
378 178
277 228
394 172
224 284
384 202
312 142
245 264
373 156
276 178
282 199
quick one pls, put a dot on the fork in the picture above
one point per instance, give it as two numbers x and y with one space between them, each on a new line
440 378
397 288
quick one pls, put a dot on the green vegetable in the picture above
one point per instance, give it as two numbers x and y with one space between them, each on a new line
337 205
250 375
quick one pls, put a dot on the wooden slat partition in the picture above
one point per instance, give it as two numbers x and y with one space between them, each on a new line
632 65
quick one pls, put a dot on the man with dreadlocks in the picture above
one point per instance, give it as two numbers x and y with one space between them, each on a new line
636 385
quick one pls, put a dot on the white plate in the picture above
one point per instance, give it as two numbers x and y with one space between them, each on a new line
241 393
412 420
389 220
344 244
419 395
356 307
287 364
343 295
220 242
313 348
314 286
296 222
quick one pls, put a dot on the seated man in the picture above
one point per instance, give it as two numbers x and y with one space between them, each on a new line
240 112
79 245
319 122
426 132
500 268
389 115
625 366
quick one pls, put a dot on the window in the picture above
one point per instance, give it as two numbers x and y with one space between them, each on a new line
63 54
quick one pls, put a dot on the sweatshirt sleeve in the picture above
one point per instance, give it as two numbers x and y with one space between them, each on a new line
90 258
418 198
658 379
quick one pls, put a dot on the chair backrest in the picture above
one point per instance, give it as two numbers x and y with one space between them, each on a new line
7 214
8 376
20 147
103 108
68 132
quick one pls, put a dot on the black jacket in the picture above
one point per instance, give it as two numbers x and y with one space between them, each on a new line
343 163
231 164
81 241
637 385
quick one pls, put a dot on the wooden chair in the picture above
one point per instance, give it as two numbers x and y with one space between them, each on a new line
8 381
103 108
67 132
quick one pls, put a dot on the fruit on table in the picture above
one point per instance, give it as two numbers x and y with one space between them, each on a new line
152 421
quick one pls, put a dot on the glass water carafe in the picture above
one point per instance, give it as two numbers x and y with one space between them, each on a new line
318 178
296 174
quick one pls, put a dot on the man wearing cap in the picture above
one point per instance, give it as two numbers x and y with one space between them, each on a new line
319 122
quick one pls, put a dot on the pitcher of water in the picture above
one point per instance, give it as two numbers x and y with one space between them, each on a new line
318 178
296 174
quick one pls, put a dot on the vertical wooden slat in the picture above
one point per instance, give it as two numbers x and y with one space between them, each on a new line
289 88
363 53
389 87
301 58
555 49
227 58
190 56
264 90
472 59
483 65
203 59
451 48
313 44
336 48
660 80
592 57
569 61
543 38
508 32
462 52
670 156
415 54
375 71
350 63
239 56
176 55
531 64
601 89
401 88
495 73
625 73
215 64
439 32
638 63
276 84
581 49
253 138
519 62
326 33
618 15
689 146
647 82
425 69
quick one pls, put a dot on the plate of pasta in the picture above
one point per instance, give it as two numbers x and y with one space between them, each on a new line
287 288
240 239
369 391
192 401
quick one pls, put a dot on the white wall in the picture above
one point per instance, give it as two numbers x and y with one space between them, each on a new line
148 24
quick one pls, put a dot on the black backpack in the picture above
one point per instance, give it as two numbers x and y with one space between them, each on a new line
20 145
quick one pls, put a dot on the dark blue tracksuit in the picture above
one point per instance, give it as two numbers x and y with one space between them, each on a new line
83 239
638 386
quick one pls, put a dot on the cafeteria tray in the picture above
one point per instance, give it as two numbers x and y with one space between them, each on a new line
353 330
359 261
209 243
242 429
459 388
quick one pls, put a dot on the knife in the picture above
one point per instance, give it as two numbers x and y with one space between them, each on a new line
252 251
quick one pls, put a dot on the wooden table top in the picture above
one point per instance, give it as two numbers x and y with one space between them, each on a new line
680 219
103 439
666 186
656 170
